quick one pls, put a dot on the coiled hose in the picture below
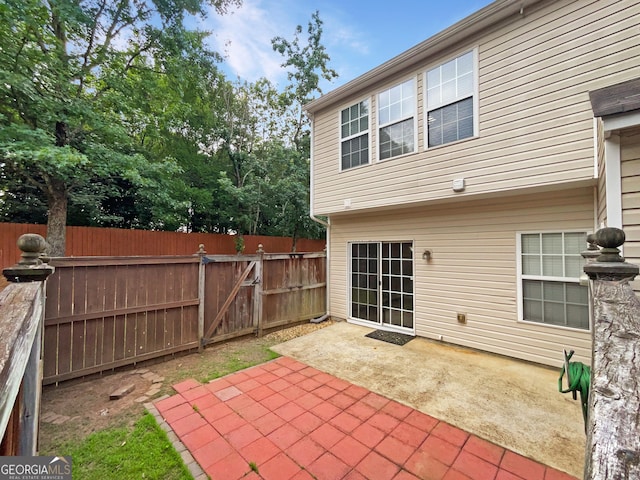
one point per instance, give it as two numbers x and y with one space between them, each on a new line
579 376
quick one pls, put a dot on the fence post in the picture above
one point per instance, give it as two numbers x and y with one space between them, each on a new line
201 296
257 292
613 443
32 267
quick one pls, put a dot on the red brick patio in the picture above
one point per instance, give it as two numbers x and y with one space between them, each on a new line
284 420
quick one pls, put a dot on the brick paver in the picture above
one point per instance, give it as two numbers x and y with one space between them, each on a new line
285 420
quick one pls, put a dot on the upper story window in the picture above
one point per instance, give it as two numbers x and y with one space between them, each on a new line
396 120
450 100
549 285
354 135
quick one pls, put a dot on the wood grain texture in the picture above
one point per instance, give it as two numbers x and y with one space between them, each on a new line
613 442
21 311
107 312
92 241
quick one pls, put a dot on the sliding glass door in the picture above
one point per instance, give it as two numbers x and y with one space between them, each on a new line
381 281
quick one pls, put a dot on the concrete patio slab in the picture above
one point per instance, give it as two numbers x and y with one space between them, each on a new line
511 403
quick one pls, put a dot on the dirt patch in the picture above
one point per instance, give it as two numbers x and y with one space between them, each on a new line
77 408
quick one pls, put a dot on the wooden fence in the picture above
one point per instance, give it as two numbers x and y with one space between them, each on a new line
91 241
104 313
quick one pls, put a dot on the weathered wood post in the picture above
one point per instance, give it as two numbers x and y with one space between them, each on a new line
613 432
201 295
21 338
257 291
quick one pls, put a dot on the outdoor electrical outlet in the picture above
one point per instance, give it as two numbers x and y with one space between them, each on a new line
462 318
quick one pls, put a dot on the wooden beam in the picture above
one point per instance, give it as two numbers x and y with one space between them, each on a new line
111 261
201 296
119 363
230 336
613 443
294 288
122 311
21 312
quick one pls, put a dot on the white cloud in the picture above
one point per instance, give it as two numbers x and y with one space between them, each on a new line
244 38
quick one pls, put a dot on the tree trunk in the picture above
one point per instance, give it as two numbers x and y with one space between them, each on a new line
57 219
294 245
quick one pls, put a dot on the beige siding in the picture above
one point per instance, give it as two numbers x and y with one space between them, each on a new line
535 118
473 269
630 171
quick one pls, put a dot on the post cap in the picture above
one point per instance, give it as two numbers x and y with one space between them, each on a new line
31 267
610 265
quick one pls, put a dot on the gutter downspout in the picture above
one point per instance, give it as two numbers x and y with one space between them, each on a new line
327 225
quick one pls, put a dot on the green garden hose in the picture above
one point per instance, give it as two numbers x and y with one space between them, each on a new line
579 376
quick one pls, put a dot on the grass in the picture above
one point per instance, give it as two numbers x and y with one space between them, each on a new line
134 446
238 361
143 451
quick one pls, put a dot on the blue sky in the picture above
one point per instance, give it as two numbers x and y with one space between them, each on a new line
358 34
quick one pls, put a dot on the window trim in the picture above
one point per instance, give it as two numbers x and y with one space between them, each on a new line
379 125
519 279
475 99
367 132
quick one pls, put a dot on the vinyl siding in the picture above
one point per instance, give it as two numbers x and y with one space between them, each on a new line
473 269
535 118
630 171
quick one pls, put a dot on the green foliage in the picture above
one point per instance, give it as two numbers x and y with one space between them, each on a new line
67 73
307 65
125 453
239 360
114 114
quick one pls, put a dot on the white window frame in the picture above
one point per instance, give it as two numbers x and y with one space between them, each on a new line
381 324
402 118
428 108
521 277
351 137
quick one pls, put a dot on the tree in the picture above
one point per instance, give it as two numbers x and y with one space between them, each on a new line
63 71
307 66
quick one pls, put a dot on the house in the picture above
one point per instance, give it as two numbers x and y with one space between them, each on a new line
460 178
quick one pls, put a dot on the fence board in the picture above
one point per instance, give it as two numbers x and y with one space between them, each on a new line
105 312
92 241
293 287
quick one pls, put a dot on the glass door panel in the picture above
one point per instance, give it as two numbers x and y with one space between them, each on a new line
382 283
397 284
364 281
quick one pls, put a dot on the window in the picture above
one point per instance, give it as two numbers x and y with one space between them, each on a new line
354 134
382 283
396 108
550 266
450 101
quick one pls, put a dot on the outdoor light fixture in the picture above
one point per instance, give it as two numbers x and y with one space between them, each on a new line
426 255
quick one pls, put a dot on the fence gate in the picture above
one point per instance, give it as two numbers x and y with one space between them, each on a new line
231 293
